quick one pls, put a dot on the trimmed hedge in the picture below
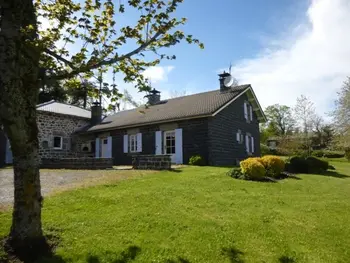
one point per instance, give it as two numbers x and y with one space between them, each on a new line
197 160
347 154
328 154
299 164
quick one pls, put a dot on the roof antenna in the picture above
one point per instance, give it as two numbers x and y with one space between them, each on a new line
230 68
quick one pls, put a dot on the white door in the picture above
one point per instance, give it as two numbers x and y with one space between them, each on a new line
105 148
169 145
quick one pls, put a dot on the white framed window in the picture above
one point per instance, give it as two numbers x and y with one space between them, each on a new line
57 142
246 110
133 143
249 143
169 142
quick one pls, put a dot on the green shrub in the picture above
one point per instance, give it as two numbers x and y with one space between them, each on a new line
316 165
328 154
264 149
274 165
347 154
236 173
297 164
197 160
253 169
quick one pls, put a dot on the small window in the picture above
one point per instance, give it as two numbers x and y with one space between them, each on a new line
250 144
105 141
57 142
133 143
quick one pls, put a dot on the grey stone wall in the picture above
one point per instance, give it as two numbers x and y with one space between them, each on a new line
223 146
151 162
53 124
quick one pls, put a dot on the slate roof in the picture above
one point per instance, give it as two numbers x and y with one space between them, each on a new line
63 108
192 106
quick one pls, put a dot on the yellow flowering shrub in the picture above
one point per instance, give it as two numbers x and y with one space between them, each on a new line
253 169
274 165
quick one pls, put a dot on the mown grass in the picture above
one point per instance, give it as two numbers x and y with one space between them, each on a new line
201 215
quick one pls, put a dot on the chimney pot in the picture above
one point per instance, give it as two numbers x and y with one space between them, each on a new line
96 113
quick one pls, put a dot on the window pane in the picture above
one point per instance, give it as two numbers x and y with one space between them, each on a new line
57 142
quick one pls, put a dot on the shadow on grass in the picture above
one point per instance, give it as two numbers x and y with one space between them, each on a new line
334 174
175 170
286 259
128 255
233 254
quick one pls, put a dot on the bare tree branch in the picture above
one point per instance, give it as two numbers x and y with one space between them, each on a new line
60 58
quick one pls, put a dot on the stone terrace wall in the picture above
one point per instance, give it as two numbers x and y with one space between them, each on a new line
77 163
151 162
53 124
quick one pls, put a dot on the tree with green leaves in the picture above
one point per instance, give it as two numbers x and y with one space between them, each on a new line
341 115
46 40
280 119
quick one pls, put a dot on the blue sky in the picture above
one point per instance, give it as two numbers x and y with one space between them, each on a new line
284 48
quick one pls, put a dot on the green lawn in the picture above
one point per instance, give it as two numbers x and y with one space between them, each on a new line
201 215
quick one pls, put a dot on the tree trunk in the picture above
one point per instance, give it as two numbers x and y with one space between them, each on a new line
19 87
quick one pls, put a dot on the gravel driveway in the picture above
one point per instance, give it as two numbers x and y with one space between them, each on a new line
58 180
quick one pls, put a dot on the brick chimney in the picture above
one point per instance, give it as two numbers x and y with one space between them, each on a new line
222 78
153 97
96 113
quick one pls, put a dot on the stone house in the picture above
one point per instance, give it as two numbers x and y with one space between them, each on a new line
57 124
221 125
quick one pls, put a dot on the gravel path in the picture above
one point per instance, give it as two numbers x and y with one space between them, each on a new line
58 180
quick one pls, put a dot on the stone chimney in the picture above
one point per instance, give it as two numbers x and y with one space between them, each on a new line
222 78
153 97
96 113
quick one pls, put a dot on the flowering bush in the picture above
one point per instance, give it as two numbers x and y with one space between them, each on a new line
253 169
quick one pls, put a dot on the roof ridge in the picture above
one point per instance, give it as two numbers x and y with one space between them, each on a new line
205 92
53 101
45 103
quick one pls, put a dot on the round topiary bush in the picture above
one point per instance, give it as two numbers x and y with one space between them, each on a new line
274 165
253 169
197 160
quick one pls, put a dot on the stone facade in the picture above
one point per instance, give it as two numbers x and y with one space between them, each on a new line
53 125
77 163
151 162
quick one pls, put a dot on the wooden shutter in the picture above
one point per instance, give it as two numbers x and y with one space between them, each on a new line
252 139
251 112
158 142
247 143
97 148
178 146
245 111
139 142
238 136
109 147
126 143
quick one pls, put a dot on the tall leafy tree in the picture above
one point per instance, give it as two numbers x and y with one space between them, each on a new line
341 115
44 40
280 119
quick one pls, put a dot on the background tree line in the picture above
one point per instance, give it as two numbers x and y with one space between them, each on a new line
301 129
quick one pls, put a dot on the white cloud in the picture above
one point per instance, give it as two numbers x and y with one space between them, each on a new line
157 73
313 60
